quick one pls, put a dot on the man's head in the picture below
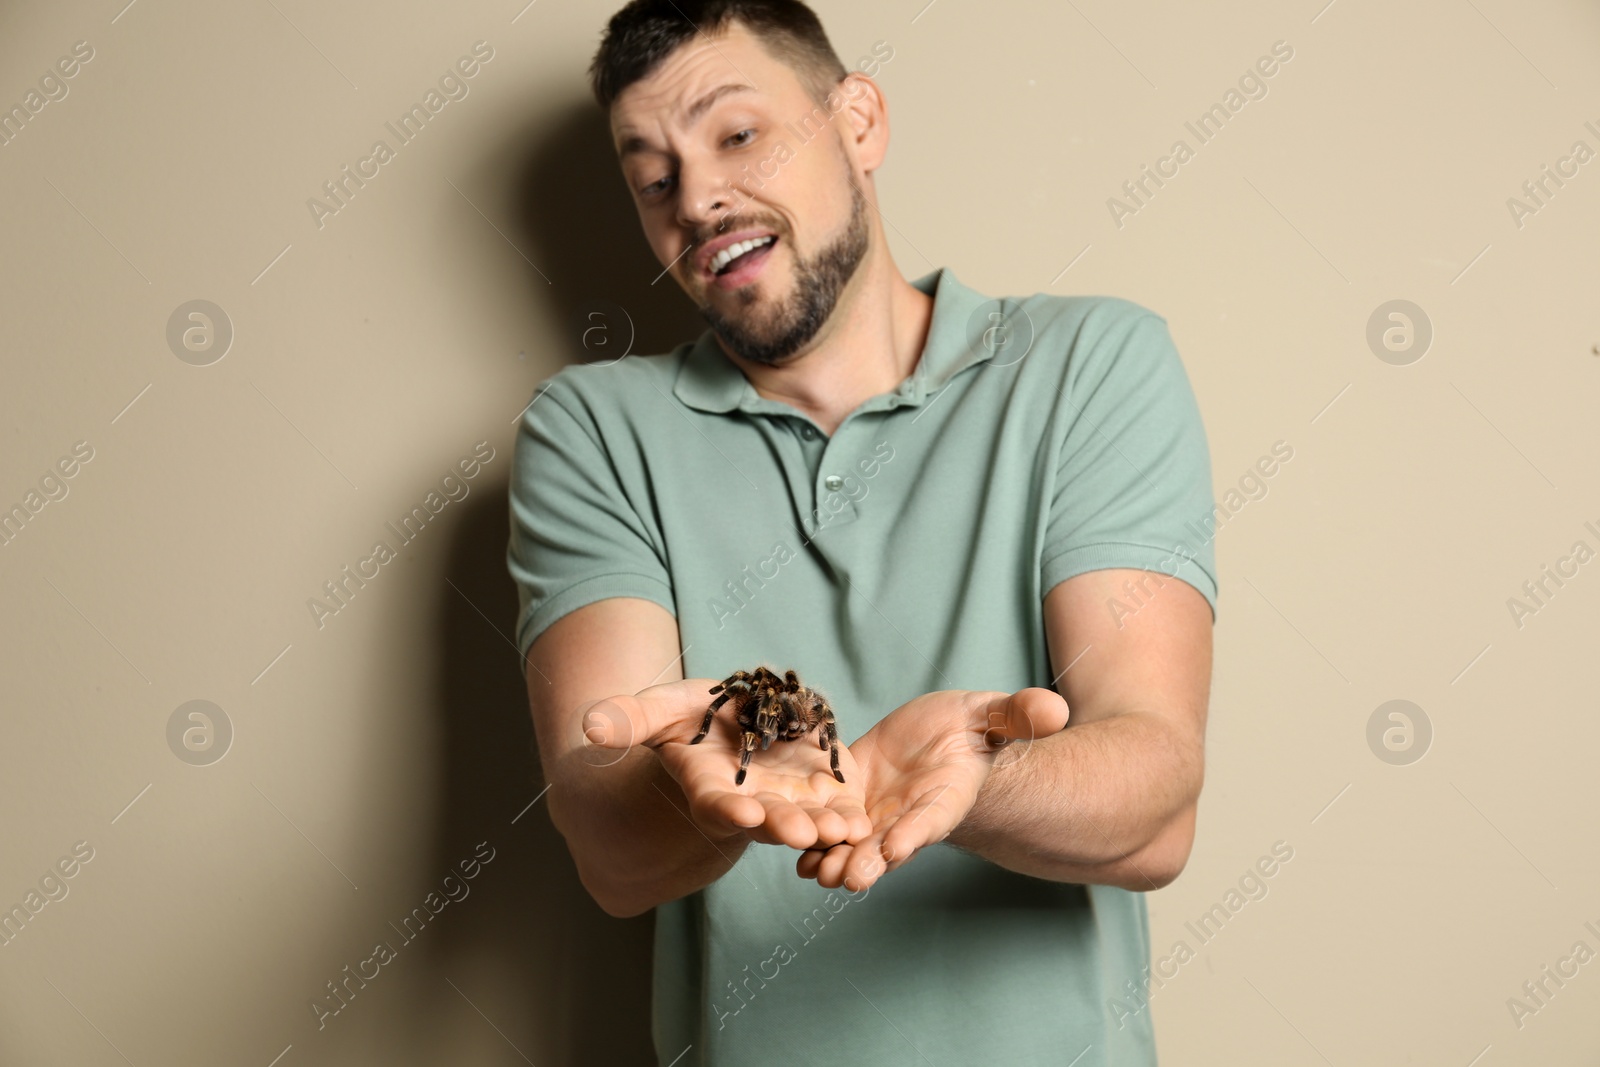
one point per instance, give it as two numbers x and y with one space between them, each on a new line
734 121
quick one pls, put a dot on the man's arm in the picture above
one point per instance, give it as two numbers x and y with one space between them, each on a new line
1111 799
625 821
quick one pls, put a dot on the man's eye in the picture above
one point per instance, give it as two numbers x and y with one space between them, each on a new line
738 140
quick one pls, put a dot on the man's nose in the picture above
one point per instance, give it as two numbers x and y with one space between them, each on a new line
705 196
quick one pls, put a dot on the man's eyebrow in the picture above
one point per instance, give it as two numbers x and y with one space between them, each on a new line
635 143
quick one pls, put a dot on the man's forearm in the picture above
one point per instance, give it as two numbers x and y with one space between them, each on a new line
629 831
1110 802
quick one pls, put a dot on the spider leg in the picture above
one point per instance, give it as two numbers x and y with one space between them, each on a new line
736 678
768 717
747 747
832 742
705 724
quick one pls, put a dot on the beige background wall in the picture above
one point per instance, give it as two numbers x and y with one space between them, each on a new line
372 754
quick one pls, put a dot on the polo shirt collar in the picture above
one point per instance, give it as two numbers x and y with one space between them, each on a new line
709 381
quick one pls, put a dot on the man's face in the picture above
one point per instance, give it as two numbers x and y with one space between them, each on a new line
761 162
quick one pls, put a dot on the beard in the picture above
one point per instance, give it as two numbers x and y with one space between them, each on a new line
795 321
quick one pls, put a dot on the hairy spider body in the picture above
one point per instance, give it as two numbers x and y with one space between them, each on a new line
767 709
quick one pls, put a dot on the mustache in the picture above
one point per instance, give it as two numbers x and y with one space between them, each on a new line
732 226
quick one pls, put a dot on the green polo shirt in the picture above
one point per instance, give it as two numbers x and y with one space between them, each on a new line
1037 438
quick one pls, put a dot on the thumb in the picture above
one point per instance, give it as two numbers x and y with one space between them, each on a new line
657 714
1025 715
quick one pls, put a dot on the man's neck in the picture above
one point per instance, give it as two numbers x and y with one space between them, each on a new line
870 345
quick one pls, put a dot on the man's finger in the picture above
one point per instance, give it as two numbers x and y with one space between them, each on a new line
810 861
927 821
831 826
671 711
830 871
785 823
1025 715
871 860
725 808
858 824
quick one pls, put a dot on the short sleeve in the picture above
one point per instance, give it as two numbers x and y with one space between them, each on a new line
1133 476
575 536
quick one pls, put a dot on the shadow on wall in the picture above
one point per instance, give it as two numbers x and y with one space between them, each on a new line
575 209
573 983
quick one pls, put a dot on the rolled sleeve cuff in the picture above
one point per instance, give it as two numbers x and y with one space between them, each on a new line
1169 563
589 590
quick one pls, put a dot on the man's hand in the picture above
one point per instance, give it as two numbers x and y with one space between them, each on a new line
789 796
924 764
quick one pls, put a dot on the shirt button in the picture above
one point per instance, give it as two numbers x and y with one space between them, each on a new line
834 482
807 432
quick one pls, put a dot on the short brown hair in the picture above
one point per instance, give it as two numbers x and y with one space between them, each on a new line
640 36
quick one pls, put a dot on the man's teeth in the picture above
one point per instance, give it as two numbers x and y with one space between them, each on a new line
733 252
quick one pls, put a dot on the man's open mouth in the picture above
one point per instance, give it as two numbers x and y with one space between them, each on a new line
743 254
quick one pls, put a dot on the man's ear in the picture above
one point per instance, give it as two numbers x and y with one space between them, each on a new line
866 113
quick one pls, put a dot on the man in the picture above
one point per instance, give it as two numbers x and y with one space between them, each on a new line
957 518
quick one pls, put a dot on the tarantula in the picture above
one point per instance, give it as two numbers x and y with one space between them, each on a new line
767 709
